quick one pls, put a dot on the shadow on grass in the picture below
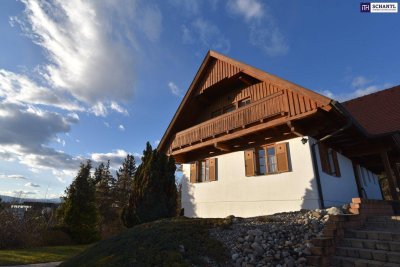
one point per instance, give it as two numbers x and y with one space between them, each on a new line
169 242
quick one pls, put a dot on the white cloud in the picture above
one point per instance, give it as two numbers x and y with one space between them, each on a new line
76 76
121 127
268 39
106 124
250 9
116 157
264 33
151 22
189 6
359 81
116 107
68 35
30 184
30 147
157 142
209 35
360 86
12 176
20 89
174 89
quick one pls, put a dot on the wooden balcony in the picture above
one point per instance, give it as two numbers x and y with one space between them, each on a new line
257 112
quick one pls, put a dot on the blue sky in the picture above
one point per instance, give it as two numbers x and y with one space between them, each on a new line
97 79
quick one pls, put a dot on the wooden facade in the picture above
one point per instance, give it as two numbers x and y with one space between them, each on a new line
218 112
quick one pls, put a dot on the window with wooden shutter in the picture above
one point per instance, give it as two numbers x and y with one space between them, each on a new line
213 169
282 157
323 154
336 164
329 160
249 162
193 172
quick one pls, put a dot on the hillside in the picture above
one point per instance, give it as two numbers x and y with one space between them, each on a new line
169 242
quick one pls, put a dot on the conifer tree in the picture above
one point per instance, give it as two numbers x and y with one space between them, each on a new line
104 184
154 191
125 176
80 211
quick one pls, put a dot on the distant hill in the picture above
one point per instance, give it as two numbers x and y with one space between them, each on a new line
21 200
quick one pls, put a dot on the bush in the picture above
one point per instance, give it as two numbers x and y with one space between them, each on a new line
57 236
20 232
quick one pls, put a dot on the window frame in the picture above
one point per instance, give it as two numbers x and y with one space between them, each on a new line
266 161
203 166
246 101
329 160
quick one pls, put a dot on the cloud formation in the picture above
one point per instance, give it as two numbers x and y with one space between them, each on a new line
116 157
264 33
175 90
30 184
360 86
12 176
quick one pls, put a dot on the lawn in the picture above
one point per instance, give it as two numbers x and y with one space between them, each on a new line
38 255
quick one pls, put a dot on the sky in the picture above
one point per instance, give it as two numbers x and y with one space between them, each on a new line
98 79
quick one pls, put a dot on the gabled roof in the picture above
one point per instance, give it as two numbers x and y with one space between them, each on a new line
378 113
209 74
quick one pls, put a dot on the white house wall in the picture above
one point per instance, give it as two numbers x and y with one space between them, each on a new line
370 184
236 194
337 190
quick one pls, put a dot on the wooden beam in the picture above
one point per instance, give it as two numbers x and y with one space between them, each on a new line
293 129
222 147
389 174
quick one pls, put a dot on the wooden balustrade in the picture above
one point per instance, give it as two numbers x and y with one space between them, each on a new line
255 112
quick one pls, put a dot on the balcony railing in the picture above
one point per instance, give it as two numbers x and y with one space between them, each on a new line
255 112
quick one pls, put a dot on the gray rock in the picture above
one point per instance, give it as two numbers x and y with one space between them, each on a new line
334 211
257 248
235 256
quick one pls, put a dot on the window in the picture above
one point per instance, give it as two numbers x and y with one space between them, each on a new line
272 168
229 108
261 161
329 161
244 102
270 159
203 170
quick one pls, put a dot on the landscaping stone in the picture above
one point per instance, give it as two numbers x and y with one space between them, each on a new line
281 239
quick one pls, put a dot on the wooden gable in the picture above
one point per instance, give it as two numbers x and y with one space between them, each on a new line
216 71
270 95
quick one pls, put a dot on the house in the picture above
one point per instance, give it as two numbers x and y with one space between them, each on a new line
251 143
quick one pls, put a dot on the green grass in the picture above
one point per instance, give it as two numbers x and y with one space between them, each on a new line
157 244
38 255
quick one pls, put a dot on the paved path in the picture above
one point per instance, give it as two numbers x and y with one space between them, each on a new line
48 264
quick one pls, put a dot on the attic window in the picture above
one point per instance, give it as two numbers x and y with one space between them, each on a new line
244 102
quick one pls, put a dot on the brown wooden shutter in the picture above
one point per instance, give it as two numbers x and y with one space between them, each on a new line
282 157
323 154
212 169
336 164
193 172
249 162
